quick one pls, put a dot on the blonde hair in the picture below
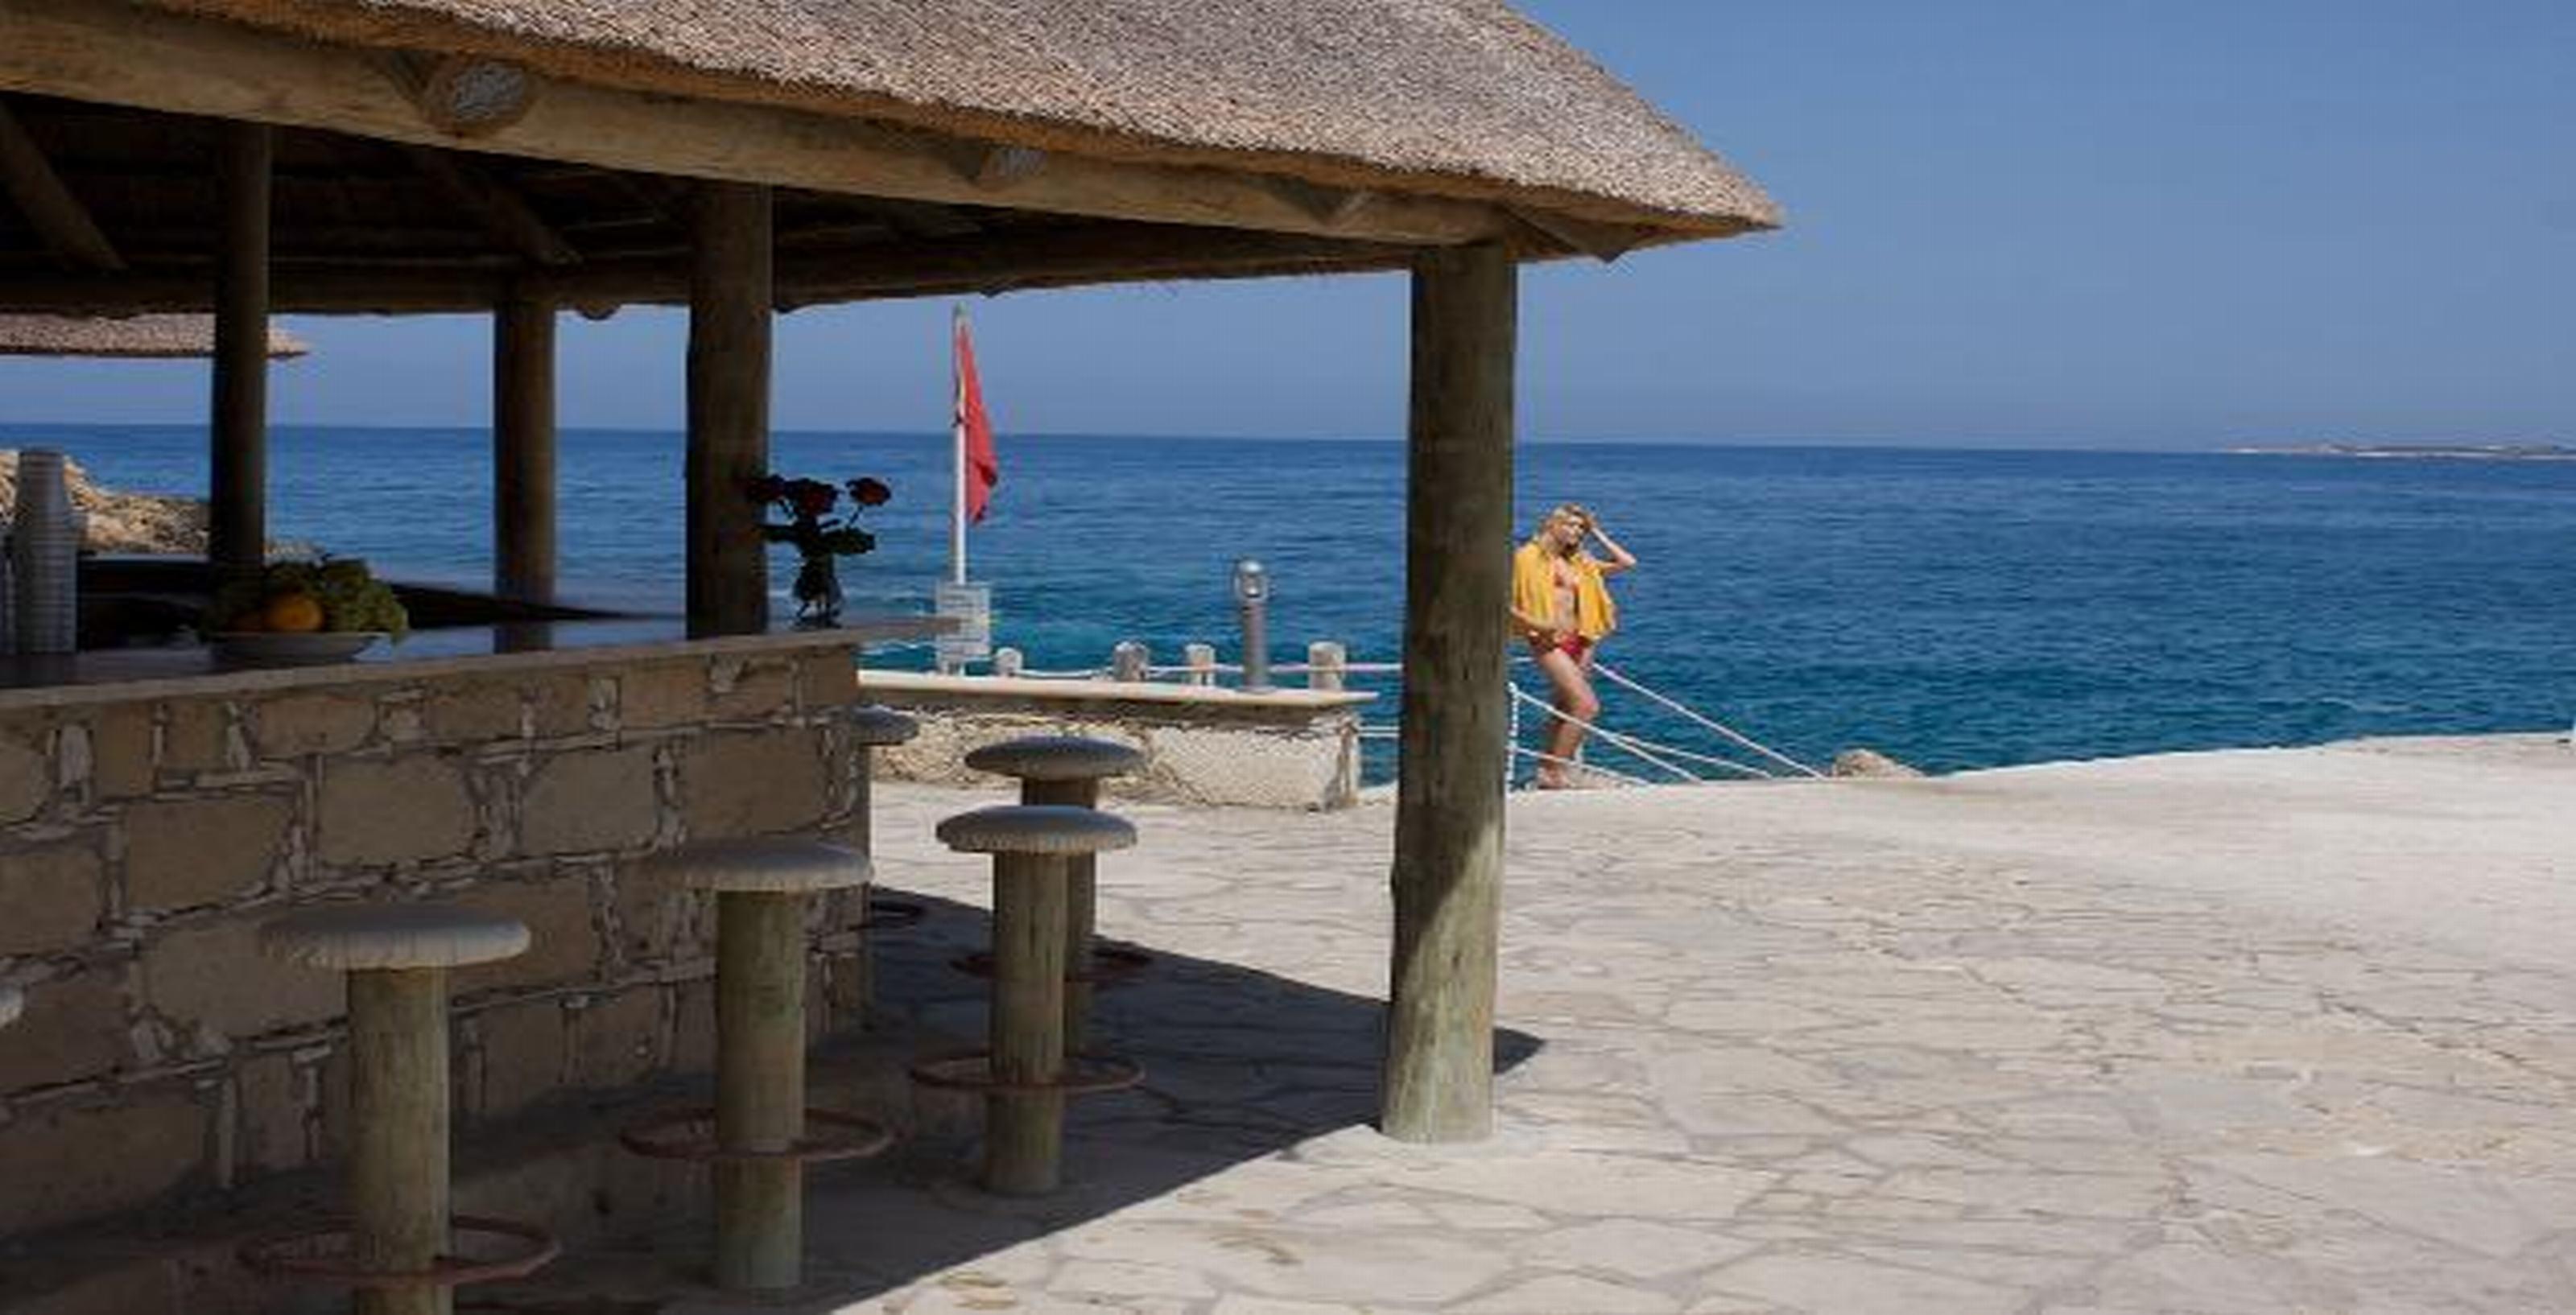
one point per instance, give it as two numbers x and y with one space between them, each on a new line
1563 511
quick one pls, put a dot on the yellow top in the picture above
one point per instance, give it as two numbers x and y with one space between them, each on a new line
1534 590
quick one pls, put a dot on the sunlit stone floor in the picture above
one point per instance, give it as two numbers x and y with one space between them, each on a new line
2285 1031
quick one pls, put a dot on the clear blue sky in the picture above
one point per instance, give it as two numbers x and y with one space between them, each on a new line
2103 223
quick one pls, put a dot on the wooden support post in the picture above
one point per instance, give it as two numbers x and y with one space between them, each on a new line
398 1083
237 496
1024 1130
1081 908
760 1093
523 450
1449 804
730 299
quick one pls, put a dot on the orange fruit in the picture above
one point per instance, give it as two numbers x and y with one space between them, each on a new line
293 614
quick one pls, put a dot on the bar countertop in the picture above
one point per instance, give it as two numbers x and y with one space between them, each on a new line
184 671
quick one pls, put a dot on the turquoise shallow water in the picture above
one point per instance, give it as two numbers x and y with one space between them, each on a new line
1954 608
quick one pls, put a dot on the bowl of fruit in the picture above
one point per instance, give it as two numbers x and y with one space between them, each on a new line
298 613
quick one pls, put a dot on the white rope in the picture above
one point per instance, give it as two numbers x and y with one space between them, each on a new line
1610 737
1737 737
1621 777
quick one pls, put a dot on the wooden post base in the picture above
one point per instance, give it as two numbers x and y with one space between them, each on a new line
398 1121
760 1089
1081 908
1024 1129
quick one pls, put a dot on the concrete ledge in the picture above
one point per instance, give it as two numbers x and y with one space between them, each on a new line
1297 749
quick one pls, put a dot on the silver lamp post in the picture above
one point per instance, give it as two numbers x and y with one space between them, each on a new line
1252 600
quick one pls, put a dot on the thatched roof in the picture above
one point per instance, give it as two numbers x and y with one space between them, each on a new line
1451 97
143 336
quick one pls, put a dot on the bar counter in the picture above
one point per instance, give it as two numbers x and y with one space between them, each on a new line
185 670
155 810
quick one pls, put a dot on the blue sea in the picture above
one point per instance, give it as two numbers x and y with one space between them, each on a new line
1952 608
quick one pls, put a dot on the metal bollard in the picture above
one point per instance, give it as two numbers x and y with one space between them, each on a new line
1252 599
1327 665
1007 662
1128 662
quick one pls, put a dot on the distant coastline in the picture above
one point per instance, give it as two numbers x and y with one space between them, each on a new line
2418 451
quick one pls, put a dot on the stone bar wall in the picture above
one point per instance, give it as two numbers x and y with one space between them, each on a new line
1285 749
143 842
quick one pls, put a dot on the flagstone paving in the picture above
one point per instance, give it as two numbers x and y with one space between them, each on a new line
2247 1032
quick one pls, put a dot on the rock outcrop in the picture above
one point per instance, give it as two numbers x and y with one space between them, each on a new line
156 523
1871 764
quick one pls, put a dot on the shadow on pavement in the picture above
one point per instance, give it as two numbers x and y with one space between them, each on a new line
1240 1064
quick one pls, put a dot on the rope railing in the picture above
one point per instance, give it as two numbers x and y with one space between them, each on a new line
1671 760
1628 744
1729 733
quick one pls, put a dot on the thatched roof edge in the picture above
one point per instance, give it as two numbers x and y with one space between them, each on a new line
1663 179
137 337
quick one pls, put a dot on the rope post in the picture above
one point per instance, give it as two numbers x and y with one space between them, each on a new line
1201 660
1007 663
1327 665
1128 661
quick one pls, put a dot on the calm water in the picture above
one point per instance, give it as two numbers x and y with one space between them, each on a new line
1954 608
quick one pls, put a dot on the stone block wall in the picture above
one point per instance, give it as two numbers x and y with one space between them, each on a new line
143 842
1293 749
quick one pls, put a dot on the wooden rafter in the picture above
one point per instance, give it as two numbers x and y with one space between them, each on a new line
1037 257
123 55
58 217
500 209
1602 242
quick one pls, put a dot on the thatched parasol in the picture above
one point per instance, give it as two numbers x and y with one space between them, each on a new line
140 337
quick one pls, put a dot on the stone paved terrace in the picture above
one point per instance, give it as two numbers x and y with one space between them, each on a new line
2287 1031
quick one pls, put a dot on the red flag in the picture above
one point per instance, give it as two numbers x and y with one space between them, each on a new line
982 470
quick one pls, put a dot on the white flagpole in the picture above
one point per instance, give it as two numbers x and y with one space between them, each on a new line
957 433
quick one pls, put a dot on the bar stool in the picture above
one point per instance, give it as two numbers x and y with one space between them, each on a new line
757 1135
400 1252
1067 770
872 728
1026 1072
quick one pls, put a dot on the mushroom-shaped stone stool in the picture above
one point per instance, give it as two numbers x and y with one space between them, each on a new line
1068 770
1026 1072
758 1142
401 1257
873 728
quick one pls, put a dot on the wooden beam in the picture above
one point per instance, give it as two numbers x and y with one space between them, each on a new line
1335 207
501 211
1602 242
1027 259
119 54
729 322
58 217
1449 797
523 450
237 492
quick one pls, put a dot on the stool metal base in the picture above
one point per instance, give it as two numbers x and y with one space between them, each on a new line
885 914
690 1134
280 1255
1110 965
1084 1075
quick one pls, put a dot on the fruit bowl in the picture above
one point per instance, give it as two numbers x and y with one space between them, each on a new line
265 648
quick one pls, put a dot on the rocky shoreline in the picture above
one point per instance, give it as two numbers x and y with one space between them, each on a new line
160 524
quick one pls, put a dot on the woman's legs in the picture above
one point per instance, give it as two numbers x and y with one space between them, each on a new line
1571 687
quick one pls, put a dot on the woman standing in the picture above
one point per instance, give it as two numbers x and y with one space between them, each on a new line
1564 611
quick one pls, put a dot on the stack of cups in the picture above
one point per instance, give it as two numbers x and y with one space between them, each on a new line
44 556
